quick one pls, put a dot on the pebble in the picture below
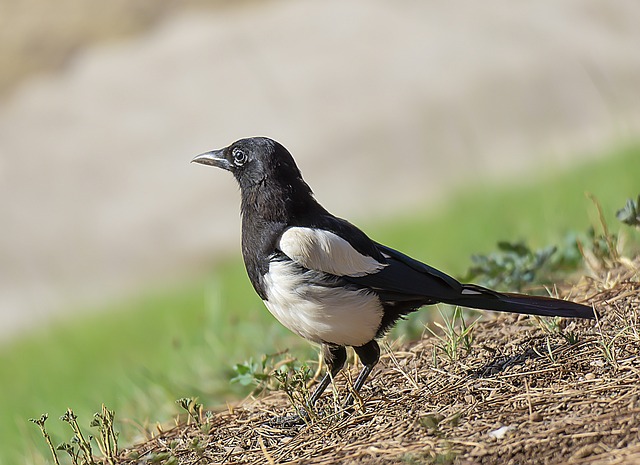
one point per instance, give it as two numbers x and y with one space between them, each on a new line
589 376
535 416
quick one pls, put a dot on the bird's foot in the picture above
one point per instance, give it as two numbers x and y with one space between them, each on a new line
353 402
353 405
348 403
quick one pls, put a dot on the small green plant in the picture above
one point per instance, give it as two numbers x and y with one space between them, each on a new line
431 422
567 257
294 384
551 325
455 334
514 266
607 347
40 422
71 451
85 452
193 409
107 438
196 446
571 337
600 249
261 375
630 213
556 325
607 344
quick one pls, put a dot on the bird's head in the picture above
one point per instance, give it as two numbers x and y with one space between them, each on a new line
254 160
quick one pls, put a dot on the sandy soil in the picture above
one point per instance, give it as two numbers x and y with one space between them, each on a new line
385 105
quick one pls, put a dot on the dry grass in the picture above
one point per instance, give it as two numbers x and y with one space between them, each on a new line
524 394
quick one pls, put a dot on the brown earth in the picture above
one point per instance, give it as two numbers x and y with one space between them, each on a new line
526 393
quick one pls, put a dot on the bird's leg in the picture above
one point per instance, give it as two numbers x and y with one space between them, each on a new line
334 357
369 355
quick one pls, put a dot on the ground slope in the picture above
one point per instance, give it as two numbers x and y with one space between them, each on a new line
526 393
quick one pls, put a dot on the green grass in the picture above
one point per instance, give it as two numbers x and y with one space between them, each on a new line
139 356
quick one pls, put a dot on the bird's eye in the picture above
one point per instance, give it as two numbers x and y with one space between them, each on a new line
239 157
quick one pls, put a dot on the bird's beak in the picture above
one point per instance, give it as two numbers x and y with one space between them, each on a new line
213 158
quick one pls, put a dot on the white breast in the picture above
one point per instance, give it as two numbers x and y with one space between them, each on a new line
321 313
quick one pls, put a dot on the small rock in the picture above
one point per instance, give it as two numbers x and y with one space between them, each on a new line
535 416
589 376
500 432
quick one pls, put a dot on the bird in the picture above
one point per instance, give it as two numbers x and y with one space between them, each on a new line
325 279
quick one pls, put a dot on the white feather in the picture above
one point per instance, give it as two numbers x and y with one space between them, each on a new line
316 249
320 313
470 292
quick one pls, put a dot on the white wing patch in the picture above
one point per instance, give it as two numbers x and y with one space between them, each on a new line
316 249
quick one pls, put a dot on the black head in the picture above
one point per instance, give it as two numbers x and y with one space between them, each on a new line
254 161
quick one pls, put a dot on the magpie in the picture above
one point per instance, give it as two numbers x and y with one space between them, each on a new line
325 279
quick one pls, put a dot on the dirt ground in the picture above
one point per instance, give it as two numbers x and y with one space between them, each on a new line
525 393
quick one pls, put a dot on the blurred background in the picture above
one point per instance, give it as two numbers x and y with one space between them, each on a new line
390 109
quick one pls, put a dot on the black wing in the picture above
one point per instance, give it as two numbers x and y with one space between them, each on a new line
406 279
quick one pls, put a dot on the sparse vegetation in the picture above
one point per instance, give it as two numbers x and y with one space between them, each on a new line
41 424
514 266
264 375
524 394
193 409
455 334
107 438
79 449
295 385
557 326
548 358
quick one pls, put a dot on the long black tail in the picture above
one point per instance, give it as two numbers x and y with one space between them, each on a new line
479 297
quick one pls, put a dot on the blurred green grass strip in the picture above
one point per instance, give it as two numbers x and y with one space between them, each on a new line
139 356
